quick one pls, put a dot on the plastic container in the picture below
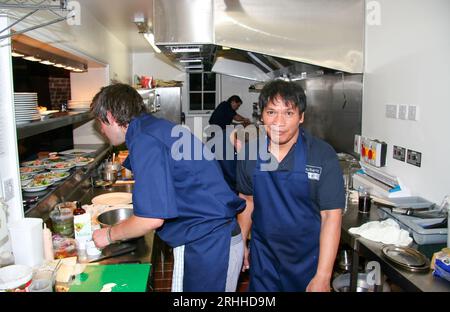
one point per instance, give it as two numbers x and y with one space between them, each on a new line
415 228
15 278
27 243
82 225
48 243
62 221
64 247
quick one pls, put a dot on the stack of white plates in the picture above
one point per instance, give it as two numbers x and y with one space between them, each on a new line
79 105
25 104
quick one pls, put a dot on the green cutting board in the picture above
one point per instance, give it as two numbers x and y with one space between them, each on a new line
127 277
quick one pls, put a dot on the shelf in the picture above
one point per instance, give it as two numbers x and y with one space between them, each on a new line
62 119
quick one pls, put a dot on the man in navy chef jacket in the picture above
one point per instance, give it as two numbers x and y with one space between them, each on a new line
294 212
223 115
186 201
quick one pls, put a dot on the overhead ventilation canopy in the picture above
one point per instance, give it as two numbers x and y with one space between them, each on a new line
324 33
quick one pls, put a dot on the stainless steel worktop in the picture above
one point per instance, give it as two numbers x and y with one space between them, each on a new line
371 250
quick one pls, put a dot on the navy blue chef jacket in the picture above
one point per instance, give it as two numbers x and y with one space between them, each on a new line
190 195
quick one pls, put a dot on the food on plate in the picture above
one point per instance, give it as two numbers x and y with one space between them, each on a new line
38 182
29 170
33 163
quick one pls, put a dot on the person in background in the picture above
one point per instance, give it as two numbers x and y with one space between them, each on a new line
223 115
187 202
293 212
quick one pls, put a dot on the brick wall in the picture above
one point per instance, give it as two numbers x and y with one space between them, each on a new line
59 91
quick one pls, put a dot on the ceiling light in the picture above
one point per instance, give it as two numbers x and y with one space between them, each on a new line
47 63
151 39
59 65
78 70
185 49
190 60
16 54
32 58
226 48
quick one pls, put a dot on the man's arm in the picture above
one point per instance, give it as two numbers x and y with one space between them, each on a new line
132 227
330 233
239 118
245 222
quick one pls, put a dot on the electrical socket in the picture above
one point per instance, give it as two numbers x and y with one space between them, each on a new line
402 112
8 189
414 158
391 111
399 153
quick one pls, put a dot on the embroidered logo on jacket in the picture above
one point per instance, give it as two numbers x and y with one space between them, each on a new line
313 172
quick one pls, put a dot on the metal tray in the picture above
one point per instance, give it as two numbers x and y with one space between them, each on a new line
406 257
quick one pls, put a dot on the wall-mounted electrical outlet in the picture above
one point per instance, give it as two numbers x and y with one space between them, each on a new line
414 158
402 112
399 153
391 111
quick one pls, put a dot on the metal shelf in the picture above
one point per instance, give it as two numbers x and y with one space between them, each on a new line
65 119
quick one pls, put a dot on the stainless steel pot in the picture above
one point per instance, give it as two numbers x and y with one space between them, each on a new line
110 175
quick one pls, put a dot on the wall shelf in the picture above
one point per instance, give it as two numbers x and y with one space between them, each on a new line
62 119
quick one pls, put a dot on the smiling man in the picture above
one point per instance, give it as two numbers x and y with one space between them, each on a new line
294 212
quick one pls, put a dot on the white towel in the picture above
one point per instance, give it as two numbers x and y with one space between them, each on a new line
387 232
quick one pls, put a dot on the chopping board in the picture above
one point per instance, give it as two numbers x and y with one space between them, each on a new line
127 277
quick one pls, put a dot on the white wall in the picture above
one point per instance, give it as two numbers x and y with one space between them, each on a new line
84 86
90 39
407 62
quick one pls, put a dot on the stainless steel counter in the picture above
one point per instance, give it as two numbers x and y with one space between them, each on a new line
371 250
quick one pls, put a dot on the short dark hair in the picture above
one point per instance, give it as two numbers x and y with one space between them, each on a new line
290 92
234 98
121 100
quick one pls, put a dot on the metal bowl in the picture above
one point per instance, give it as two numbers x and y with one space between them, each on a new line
342 284
115 216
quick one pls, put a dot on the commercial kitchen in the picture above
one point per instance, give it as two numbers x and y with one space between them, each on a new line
375 74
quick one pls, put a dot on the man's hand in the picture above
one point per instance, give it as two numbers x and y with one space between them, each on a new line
319 284
246 263
99 238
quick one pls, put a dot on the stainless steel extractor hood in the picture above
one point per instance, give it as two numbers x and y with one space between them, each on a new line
324 33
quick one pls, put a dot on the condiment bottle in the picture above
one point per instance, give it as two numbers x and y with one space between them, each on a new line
82 226
48 243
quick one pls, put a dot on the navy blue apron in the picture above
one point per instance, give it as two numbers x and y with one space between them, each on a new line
206 261
284 247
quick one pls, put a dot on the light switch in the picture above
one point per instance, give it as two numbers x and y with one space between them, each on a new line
391 111
402 112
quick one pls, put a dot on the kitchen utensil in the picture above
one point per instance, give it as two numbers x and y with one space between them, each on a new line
115 216
126 277
110 175
406 258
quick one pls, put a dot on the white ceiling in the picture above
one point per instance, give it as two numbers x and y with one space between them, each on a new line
118 17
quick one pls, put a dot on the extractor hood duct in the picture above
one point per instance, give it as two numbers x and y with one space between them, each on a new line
325 33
